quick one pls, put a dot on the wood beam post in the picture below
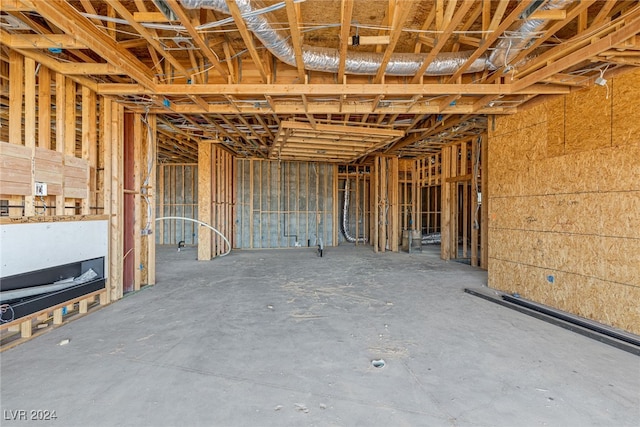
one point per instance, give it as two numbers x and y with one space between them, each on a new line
61 109
44 108
484 207
30 127
138 168
204 200
394 204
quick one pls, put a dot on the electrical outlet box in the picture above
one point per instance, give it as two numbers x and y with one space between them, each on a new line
479 198
41 189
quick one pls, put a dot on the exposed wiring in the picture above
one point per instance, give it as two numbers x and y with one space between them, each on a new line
44 207
144 191
204 224
476 172
4 308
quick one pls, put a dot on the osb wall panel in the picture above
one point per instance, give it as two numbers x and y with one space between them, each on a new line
587 120
49 169
76 178
587 296
517 122
626 109
15 169
555 127
564 203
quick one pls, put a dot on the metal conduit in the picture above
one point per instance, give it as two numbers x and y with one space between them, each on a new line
345 217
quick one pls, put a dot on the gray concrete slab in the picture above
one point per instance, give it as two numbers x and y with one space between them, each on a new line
283 337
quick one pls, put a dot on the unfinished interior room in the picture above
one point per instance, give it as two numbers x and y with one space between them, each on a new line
320 212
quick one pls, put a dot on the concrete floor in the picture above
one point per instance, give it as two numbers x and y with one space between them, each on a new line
283 337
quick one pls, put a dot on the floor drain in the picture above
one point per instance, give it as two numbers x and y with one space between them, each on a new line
378 363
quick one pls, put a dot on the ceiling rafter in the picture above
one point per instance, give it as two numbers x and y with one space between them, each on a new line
296 37
590 42
425 26
582 54
461 38
125 14
72 22
247 37
551 31
346 12
400 14
443 39
243 110
199 41
488 41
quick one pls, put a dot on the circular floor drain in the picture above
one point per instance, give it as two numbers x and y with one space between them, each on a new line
378 363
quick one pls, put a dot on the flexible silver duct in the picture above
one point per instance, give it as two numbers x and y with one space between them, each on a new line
328 59
517 40
345 217
401 64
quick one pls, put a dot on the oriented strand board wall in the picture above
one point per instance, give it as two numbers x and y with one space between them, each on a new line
564 203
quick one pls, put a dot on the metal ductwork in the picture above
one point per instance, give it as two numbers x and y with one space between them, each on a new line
515 41
365 63
345 217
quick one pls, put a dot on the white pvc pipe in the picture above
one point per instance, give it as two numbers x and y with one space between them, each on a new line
204 224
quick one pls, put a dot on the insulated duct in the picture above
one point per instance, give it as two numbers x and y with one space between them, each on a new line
515 41
401 64
328 59
345 217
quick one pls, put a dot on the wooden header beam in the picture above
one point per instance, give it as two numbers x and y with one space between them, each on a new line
320 127
37 41
331 89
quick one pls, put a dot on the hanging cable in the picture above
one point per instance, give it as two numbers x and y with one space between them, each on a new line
204 224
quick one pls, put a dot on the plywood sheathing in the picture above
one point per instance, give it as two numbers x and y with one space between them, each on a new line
564 203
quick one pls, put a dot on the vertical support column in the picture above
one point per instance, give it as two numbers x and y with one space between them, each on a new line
416 192
89 146
117 201
382 203
445 213
16 81
44 108
356 205
106 111
149 206
30 127
204 200
453 201
336 207
465 199
160 195
394 204
251 194
230 199
375 202
61 101
16 89
474 202
70 128
484 207
137 200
